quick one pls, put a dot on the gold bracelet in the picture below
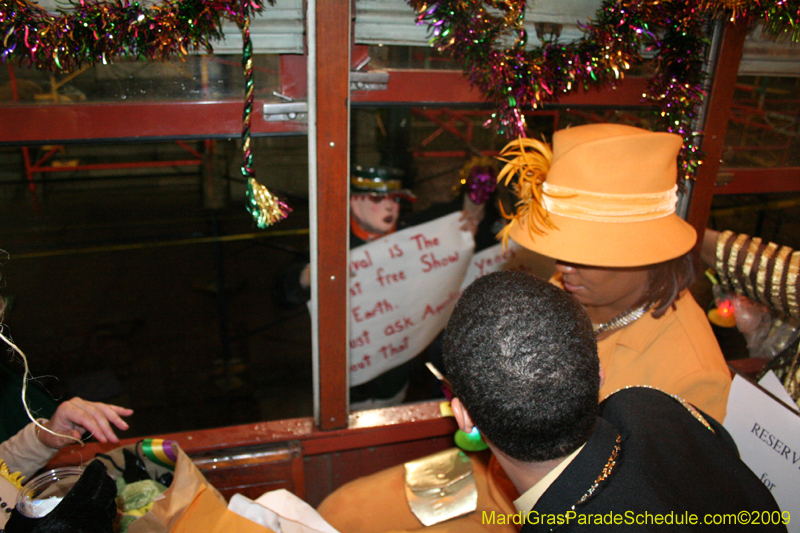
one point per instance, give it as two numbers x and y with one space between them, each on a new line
791 285
722 257
733 262
747 268
777 278
763 291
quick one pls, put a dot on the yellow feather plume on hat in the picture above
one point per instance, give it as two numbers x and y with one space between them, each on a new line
530 160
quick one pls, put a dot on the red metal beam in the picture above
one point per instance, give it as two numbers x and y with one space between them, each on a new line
57 123
760 180
26 158
448 87
719 105
448 121
451 86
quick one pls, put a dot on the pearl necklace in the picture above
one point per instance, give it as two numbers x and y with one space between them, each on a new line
620 321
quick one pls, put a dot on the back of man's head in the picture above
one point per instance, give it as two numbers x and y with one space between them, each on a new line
521 356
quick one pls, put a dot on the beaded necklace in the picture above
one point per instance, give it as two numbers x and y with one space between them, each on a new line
604 474
622 320
610 464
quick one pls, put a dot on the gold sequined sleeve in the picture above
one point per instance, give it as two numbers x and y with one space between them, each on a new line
764 272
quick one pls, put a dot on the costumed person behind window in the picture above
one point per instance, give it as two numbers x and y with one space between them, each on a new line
602 204
376 194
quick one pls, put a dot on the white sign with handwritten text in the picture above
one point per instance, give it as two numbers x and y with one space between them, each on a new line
513 257
403 288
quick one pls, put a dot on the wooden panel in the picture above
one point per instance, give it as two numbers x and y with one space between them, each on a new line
318 473
254 470
749 366
332 143
378 438
365 428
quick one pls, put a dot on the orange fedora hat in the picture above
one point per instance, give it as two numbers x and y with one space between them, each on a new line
607 199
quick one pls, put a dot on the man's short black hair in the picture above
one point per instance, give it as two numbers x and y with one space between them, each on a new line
521 356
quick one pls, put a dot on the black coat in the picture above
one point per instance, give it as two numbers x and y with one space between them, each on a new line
669 466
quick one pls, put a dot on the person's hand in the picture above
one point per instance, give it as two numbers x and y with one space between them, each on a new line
77 416
305 277
471 215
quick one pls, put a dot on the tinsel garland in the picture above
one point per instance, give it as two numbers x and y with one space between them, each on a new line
96 31
780 19
513 77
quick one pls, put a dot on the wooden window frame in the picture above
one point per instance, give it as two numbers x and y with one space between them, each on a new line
31 124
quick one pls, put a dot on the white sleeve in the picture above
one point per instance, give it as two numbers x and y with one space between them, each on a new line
24 452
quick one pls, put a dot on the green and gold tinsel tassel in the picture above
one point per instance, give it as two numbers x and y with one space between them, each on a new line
265 207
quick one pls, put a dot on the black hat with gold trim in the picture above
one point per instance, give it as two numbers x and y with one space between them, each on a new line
379 181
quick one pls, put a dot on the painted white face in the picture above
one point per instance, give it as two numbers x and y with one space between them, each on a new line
375 213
